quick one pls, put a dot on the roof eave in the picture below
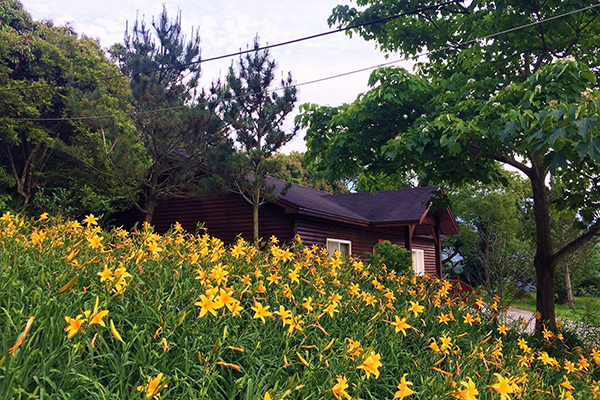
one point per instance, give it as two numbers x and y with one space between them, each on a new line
454 223
288 207
332 217
384 224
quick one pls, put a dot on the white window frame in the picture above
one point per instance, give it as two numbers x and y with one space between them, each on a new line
418 261
337 242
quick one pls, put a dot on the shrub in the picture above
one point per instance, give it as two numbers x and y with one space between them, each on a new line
391 256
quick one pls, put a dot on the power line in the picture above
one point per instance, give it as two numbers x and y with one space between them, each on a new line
424 54
471 41
241 52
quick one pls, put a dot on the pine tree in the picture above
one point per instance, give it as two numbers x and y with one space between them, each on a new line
177 125
254 113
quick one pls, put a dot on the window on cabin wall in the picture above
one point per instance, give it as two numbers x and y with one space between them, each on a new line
418 261
343 246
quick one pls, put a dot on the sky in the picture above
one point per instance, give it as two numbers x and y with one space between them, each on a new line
226 26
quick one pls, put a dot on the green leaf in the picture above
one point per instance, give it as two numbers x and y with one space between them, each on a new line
512 127
555 159
596 150
582 149
455 148
585 125
591 149
588 75
557 113
443 139
556 133
538 135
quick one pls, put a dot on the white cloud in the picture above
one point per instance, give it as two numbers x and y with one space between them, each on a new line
228 25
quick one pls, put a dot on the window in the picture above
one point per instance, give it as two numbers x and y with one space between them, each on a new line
418 261
343 246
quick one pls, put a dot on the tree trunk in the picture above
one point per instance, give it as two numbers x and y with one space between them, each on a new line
151 195
23 178
486 264
570 299
150 206
256 206
545 293
543 261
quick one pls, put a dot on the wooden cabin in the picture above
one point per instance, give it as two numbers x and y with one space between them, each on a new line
351 223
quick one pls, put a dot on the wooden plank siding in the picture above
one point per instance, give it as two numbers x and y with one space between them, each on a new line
429 250
317 231
225 217
229 216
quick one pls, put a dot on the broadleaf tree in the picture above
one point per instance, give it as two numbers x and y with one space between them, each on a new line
177 123
493 248
254 112
46 73
496 89
292 168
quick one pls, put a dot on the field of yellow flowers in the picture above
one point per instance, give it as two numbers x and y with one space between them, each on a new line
93 314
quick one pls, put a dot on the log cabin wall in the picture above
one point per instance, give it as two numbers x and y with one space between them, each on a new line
225 217
428 247
228 216
317 231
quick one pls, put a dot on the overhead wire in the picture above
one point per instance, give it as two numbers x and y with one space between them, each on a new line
423 54
261 48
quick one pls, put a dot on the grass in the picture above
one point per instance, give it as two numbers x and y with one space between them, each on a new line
582 305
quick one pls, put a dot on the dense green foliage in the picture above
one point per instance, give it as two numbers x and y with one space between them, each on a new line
178 126
494 247
73 143
254 114
93 314
46 74
518 98
390 256
292 168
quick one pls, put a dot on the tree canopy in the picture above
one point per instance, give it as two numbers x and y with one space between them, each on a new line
47 75
254 114
292 168
177 124
487 96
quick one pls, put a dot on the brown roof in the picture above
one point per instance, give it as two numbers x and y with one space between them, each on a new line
389 207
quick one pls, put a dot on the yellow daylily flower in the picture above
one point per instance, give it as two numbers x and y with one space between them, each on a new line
97 318
371 364
416 308
503 387
153 387
261 311
401 325
207 305
91 220
470 391
403 389
339 389
566 384
74 325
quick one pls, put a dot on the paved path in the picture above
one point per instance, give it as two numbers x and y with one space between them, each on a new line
522 320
